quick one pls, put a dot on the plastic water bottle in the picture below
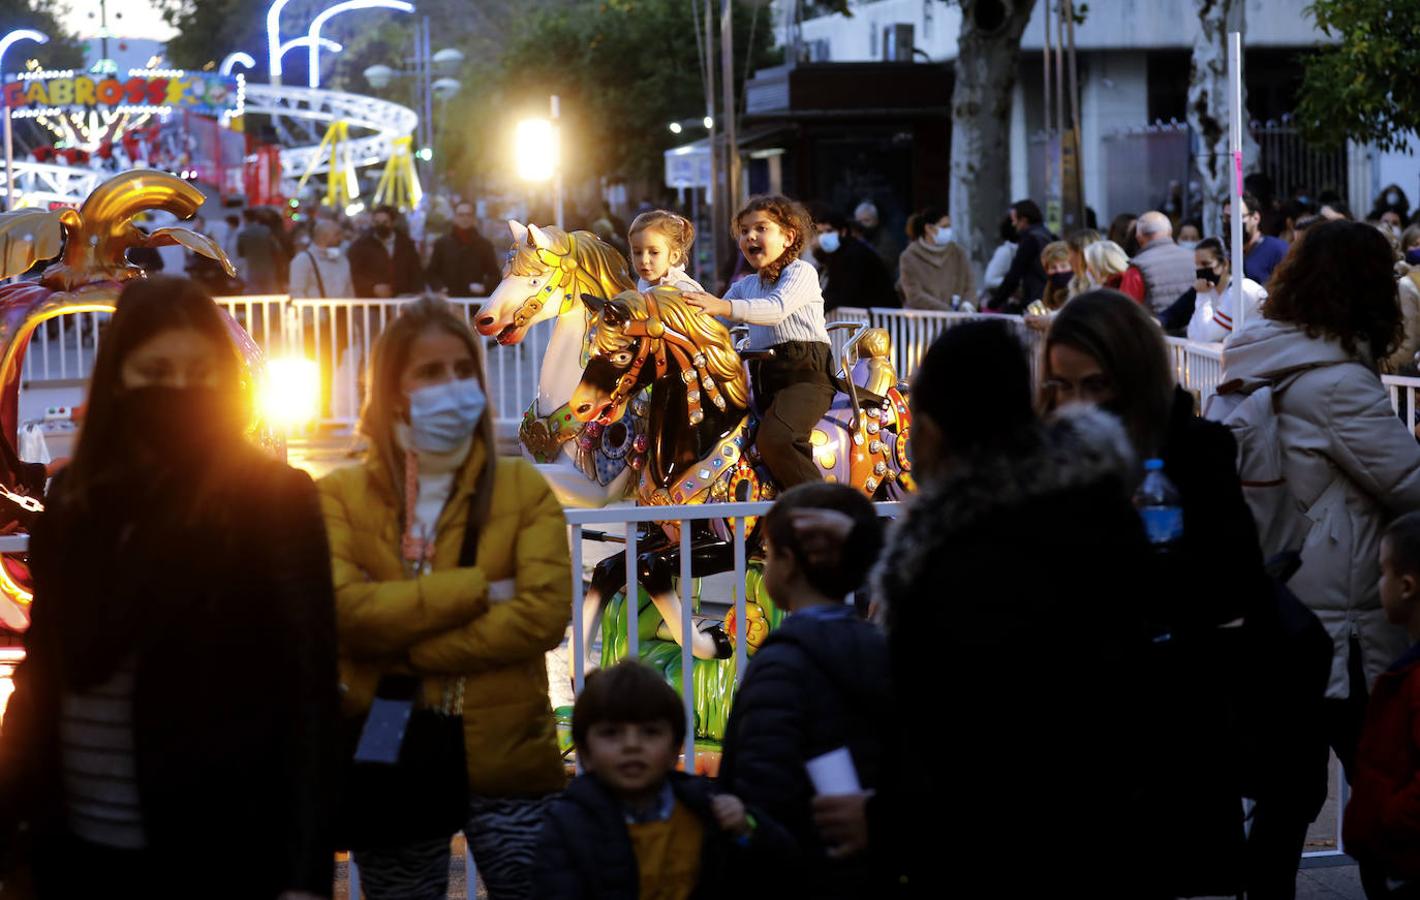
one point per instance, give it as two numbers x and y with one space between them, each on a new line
1159 505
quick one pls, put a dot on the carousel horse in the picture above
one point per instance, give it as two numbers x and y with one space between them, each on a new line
547 273
699 448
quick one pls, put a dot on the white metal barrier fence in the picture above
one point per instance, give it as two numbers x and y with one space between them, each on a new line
338 334
1198 367
632 516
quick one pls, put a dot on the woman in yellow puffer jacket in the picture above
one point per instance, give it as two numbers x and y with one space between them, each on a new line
404 605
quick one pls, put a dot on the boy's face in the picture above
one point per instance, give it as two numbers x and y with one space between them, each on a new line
1397 588
631 758
781 570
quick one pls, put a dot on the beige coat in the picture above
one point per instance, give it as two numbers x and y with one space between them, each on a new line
1408 288
931 274
1351 466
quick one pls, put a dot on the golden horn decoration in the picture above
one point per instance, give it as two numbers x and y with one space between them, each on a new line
124 196
96 248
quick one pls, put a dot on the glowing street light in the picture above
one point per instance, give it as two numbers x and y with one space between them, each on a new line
537 148
6 42
536 142
329 13
675 128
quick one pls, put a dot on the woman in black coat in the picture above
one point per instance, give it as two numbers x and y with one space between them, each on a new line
1011 588
178 699
1237 667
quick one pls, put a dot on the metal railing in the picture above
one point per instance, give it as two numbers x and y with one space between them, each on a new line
631 517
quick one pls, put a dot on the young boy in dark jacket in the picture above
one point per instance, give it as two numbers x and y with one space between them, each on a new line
632 826
818 683
1382 827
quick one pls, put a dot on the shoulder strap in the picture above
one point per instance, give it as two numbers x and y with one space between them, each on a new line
315 267
468 552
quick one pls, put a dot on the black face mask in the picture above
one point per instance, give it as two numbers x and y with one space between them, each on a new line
177 428
383 232
1061 279
1208 275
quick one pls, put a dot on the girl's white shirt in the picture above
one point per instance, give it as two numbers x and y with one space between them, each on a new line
675 277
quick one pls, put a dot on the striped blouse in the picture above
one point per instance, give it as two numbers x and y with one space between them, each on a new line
790 309
99 763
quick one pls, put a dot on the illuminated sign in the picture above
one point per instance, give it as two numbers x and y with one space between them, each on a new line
144 91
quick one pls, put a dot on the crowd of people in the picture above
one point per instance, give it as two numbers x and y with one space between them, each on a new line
279 668
371 255
1185 279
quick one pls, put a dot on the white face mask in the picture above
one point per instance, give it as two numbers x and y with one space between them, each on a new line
943 236
442 416
828 242
332 253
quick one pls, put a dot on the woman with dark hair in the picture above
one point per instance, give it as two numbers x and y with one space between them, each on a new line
934 269
451 571
1350 464
180 688
1104 349
962 611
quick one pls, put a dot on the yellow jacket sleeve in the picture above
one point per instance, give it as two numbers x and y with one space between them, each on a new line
535 619
382 618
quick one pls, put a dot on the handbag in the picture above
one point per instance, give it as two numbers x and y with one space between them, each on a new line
424 794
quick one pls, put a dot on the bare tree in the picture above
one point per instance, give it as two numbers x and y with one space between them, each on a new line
1208 107
988 56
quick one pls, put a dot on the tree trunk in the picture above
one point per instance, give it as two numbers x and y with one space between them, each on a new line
1208 108
988 54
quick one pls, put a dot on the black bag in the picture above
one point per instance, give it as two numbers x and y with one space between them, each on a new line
425 794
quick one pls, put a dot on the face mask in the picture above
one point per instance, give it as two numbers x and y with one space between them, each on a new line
442 416
1188 245
828 243
182 427
943 236
332 253
383 232
1412 256
1061 279
1393 198
1207 275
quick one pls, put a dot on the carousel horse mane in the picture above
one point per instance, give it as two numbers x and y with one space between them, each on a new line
594 266
706 334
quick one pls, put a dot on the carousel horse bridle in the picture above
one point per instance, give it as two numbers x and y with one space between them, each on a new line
563 268
658 343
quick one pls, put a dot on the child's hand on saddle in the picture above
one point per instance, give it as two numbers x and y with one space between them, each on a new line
821 533
708 303
730 814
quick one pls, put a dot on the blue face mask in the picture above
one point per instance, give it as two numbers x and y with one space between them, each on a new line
828 242
1412 256
442 416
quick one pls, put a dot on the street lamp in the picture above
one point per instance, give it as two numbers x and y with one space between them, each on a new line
422 67
537 152
6 42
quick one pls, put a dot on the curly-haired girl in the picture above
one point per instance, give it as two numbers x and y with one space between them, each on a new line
660 247
783 305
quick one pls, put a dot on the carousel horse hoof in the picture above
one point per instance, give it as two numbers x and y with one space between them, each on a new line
724 649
